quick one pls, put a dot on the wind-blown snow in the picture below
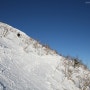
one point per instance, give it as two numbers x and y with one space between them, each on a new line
25 64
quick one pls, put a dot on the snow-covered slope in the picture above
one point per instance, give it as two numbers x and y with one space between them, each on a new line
25 64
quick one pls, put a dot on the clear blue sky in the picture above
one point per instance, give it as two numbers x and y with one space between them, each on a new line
62 24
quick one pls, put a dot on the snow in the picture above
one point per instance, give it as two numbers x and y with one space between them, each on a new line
25 64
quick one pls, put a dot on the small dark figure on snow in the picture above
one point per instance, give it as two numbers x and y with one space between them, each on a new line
18 34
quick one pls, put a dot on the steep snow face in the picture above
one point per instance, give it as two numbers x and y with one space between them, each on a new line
21 39
25 64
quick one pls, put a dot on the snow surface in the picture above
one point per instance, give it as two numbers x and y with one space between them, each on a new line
25 64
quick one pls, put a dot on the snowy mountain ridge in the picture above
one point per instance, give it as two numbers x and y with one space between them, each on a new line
25 64
24 40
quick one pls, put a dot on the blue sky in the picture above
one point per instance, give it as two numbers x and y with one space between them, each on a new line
62 24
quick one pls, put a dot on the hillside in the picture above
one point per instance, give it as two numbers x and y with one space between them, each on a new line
25 64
